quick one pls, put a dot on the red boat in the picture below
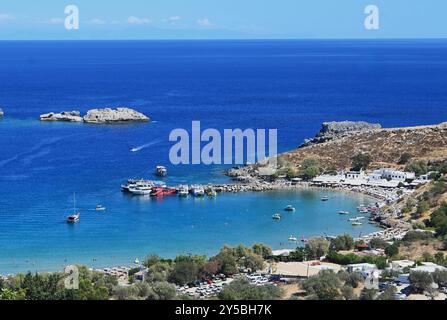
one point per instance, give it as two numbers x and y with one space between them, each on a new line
169 191
157 192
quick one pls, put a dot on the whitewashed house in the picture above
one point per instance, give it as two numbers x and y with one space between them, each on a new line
391 174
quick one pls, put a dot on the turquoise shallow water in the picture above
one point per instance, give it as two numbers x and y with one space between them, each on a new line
172 225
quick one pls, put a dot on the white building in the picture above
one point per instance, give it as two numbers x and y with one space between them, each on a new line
366 269
391 174
399 265
429 267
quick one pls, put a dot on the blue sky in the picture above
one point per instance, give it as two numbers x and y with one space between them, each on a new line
220 19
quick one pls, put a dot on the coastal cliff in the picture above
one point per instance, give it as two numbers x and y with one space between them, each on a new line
336 144
335 130
385 146
98 116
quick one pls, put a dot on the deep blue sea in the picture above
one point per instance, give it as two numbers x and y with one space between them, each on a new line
292 86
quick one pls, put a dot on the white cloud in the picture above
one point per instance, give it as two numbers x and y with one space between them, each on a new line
5 17
97 21
205 23
55 21
136 20
174 19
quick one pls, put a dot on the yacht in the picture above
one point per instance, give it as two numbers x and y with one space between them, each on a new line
100 208
141 190
292 238
276 216
198 191
75 216
343 212
133 183
325 198
183 191
289 208
161 171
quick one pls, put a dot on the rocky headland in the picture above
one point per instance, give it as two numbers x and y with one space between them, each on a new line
335 130
98 116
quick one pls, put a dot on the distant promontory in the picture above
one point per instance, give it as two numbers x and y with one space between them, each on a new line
98 116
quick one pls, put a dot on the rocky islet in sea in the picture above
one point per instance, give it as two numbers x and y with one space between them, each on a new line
98 116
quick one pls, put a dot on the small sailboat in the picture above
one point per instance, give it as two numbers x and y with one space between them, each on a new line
289 208
293 238
75 216
276 216
303 239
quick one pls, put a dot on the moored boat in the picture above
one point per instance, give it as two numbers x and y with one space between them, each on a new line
343 212
276 216
293 238
75 216
325 198
156 192
289 208
211 192
161 171
183 191
197 191
100 208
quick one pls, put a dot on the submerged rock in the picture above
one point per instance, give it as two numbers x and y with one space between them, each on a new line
114 115
70 116
334 130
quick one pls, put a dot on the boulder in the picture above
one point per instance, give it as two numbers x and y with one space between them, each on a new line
70 116
114 115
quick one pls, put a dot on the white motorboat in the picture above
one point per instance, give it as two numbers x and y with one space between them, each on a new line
183 191
197 191
343 212
161 171
356 223
100 208
289 208
141 190
293 238
276 216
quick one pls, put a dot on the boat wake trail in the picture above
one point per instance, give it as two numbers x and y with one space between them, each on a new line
144 146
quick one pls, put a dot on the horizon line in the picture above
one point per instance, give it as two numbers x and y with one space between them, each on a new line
231 39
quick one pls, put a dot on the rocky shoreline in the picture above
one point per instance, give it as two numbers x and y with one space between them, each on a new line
97 116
